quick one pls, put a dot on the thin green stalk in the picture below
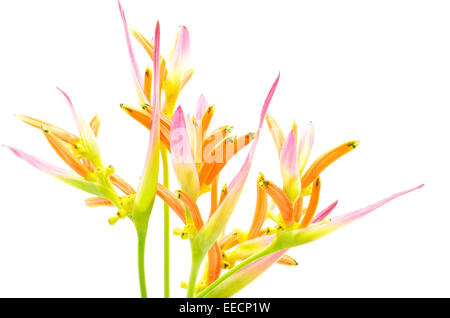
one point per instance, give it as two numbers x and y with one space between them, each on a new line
269 250
195 267
166 225
141 267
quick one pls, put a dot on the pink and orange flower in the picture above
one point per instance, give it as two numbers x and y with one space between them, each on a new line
199 155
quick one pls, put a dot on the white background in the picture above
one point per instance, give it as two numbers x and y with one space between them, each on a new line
376 71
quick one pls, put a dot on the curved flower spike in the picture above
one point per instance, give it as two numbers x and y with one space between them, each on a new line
277 245
182 156
67 177
146 192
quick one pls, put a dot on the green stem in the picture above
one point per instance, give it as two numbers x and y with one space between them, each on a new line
166 225
141 267
195 267
269 250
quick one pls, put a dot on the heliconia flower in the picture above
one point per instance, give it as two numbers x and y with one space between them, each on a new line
82 154
199 156
173 77
278 244
68 177
204 239
297 184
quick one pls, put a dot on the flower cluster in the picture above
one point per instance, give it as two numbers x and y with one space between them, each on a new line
285 215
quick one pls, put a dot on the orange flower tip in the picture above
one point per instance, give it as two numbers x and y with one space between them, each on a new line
317 182
210 109
228 129
288 260
294 127
225 188
353 144
261 181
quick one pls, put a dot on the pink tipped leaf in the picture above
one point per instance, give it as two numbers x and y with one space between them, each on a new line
282 241
180 54
305 146
289 167
293 238
138 81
